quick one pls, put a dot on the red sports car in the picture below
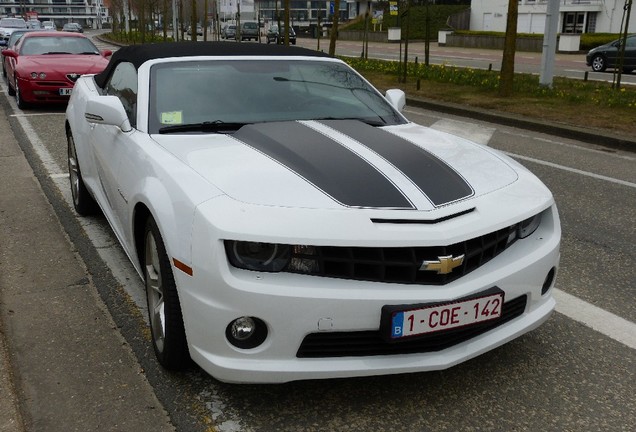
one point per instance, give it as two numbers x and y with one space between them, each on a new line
43 66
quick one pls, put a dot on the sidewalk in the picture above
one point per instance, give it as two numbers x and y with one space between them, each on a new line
63 364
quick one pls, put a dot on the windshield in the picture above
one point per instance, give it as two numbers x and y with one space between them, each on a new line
57 45
215 94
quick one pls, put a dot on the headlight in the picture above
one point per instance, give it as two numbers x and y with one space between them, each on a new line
528 226
272 257
257 256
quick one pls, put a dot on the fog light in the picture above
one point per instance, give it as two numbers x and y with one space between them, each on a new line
243 328
246 332
549 279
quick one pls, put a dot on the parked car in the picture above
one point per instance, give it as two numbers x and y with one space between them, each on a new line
10 44
228 31
276 36
607 56
290 223
199 30
45 65
9 25
249 30
48 25
34 24
73 27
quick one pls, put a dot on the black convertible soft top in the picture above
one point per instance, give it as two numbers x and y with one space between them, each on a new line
139 54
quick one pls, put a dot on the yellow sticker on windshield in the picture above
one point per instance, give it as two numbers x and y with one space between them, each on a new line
171 117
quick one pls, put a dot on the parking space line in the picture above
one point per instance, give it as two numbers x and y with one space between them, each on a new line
596 318
573 170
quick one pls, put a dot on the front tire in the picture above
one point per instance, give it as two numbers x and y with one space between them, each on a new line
83 201
599 64
10 88
164 309
18 97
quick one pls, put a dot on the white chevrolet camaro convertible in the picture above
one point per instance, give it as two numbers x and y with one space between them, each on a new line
289 223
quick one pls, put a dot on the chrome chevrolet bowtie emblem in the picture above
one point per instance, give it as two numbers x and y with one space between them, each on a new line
443 265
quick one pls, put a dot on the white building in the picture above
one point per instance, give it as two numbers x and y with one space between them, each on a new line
575 16
88 13
302 13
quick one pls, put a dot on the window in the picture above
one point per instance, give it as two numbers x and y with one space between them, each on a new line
573 22
123 84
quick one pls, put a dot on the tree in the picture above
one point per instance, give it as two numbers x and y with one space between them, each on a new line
507 73
193 21
286 35
334 28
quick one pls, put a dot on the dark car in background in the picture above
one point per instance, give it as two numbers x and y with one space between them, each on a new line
34 24
606 56
276 36
199 30
73 27
228 31
249 31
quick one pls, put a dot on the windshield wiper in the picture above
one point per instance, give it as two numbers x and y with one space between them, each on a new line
370 122
55 52
88 53
215 126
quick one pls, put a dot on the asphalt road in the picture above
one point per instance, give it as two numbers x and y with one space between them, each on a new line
571 374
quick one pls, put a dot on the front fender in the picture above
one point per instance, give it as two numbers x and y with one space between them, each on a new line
172 206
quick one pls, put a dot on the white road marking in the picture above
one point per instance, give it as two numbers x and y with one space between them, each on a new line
574 170
471 131
38 114
596 318
573 146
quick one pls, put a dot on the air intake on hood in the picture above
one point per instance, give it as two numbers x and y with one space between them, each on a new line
422 221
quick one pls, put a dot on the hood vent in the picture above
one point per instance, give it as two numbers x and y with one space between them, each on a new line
422 221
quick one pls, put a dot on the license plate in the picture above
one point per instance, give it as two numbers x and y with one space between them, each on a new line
434 318
66 91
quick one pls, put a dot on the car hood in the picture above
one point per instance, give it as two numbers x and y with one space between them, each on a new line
64 64
343 163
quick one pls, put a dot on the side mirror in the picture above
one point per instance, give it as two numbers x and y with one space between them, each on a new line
9 53
107 53
396 98
107 110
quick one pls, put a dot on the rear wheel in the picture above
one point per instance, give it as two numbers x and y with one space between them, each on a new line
599 64
164 309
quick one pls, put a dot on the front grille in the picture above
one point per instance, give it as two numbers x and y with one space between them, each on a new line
371 343
54 84
402 264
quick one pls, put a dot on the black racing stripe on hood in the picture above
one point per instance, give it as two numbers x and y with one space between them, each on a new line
438 181
329 166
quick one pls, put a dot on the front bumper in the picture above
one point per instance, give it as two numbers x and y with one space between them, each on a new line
43 92
294 306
